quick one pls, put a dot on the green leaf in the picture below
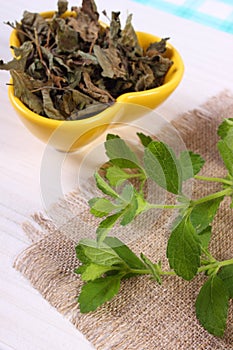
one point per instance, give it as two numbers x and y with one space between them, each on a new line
145 139
231 205
205 236
203 214
154 268
104 186
226 153
80 253
225 131
142 204
101 206
116 176
106 225
127 193
120 153
212 306
97 253
131 205
226 274
183 250
93 271
191 163
97 292
162 166
130 212
125 253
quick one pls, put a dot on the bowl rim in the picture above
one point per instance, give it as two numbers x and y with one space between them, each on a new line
124 98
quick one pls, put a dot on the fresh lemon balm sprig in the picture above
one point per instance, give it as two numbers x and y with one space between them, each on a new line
106 261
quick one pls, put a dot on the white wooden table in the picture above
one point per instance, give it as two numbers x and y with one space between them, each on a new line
27 321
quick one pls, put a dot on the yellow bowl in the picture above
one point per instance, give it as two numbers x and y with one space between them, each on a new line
72 135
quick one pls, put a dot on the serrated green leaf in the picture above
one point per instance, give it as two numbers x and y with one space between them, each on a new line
212 306
97 292
226 274
120 153
203 214
162 166
205 236
191 163
106 225
153 268
226 153
93 271
145 139
104 186
183 250
101 206
125 253
97 253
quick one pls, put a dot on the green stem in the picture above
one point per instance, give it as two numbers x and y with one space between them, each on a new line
165 206
223 193
216 264
140 272
168 273
213 179
226 262
148 272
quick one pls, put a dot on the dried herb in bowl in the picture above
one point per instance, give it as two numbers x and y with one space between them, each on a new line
70 66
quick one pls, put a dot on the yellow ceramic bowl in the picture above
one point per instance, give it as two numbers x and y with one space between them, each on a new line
72 135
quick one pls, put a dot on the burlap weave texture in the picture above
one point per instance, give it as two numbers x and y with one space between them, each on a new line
144 316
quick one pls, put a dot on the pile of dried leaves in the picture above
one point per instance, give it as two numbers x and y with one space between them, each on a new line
71 67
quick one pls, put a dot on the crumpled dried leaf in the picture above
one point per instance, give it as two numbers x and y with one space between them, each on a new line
129 38
72 65
157 47
22 52
31 23
89 7
89 111
62 6
93 91
115 28
22 91
49 108
146 80
110 62
66 37
87 28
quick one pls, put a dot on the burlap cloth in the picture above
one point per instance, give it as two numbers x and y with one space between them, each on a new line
144 316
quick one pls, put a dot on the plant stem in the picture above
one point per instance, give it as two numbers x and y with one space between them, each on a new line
140 272
165 206
213 179
216 264
148 272
223 193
